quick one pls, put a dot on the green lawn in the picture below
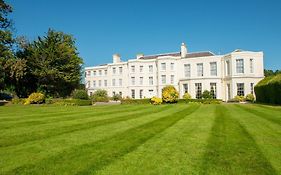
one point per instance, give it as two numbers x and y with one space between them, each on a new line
141 139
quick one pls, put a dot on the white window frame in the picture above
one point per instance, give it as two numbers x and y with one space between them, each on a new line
113 82
185 88
200 69
141 68
114 70
150 67
214 86
172 79
163 79
198 90
251 65
120 70
133 93
163 66
141 93
213 69
252 88
240 66
187 68
141 80
240 89
172 66
120 82
133 80
150 80
133 69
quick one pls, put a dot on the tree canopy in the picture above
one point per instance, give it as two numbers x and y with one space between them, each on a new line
6 41
52 64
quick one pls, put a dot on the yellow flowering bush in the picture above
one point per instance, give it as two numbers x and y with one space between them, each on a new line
156 101
35 98
186 96
170 94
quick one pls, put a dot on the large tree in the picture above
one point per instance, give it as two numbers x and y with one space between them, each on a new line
6 41
53 64
268 72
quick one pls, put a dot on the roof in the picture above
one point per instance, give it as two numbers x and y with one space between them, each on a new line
199 54
175 54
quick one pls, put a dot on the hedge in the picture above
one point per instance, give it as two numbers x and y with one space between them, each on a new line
203 101
135 101
147 101
268 90
69 102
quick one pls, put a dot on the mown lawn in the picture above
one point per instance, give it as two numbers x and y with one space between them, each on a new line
141 139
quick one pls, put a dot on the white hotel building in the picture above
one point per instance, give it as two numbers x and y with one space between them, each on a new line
228 75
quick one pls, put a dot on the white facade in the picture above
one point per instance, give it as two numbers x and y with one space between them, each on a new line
228 75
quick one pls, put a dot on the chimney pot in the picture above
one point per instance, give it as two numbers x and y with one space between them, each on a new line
140 55
116 58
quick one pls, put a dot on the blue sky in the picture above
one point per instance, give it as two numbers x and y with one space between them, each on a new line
128 27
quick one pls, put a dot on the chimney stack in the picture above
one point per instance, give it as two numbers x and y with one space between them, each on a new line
140 55
183 50
116 58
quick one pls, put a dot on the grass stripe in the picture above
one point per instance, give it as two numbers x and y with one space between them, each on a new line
66 117
266 134
177 150
271 108
97 155
270 116
232 150
10 140
45 115
35 151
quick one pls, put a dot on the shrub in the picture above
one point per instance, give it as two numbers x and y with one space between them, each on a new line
204 101
135 101
80 94
268 90
186 96
116 97
18 101
206 94
69 102
250 98
35 98
170 94
100 96
156 101
239 98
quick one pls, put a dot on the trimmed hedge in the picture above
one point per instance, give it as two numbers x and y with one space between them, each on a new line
135 101
203 101
69 102
80 94
268 90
